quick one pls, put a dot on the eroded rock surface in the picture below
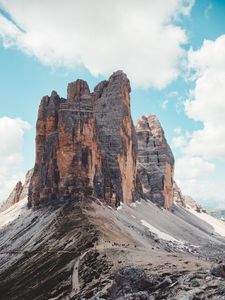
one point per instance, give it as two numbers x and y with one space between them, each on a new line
155 162
185 201
190 202
85 145
177 195
19 192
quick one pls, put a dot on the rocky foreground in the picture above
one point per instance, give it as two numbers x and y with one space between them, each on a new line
89 251
100 216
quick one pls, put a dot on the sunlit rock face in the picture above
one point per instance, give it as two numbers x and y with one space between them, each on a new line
178 197
19 192
185 200
86 145
155 162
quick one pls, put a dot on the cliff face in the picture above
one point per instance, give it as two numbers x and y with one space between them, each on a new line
155 162
178 197
185 201
19 192
85 145
116 135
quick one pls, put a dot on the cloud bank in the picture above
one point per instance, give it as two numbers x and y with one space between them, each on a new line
206 103
11 137
143 38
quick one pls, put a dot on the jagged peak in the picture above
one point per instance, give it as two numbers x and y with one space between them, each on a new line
76 89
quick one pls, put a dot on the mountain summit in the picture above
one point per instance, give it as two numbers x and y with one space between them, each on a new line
86 145
103 217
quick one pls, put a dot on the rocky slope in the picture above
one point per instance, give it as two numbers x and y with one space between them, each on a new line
184 200
86 145
89 251
19 192
155 162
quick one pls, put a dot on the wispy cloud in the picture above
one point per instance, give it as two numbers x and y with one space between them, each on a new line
11 136
100 35
207 10
164 104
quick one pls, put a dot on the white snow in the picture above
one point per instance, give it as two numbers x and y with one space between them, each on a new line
160 234
219 226
13 212
120 206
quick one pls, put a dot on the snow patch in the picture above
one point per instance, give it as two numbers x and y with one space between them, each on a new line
120 206
13 212
219 226
162 235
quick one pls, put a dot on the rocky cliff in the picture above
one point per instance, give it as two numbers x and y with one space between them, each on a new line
19 192
86 145
184 200
178 197
155 161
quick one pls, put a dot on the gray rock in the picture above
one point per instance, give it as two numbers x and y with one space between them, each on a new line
218 270
155 162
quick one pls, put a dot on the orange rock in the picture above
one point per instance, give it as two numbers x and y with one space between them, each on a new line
85 145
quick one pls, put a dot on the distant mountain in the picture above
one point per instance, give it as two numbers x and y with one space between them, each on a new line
217 213
19 192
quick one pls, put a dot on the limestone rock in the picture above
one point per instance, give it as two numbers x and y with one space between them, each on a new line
25 190
116 135
177 195
155 162
86 145
19 192
218 270
185 201
190 202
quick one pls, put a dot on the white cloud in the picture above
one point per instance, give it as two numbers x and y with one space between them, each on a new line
192 167
208 192
197 171
164 104
179 141
11 136
207 10
207 99
177 130
101 35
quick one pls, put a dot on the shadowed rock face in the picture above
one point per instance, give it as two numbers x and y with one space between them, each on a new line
116 135
85 145
155 162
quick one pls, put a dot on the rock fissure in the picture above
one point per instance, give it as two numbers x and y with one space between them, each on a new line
86 144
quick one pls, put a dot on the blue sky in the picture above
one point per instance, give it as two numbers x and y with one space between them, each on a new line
35 60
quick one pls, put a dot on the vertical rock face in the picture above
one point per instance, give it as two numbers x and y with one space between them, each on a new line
155 162
178 196
116 135
25 190
19 192
85 145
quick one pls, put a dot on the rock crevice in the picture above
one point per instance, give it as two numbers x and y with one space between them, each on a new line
86 145
155 162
